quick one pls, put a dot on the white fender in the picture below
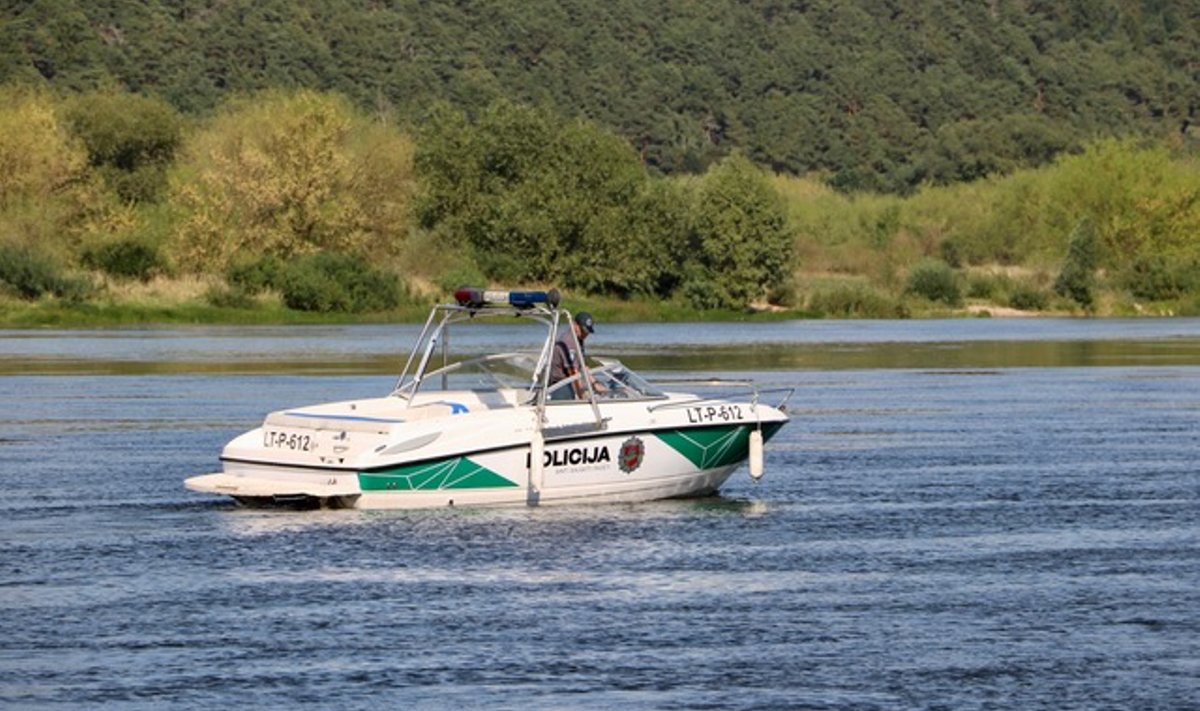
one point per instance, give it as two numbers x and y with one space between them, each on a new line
756 454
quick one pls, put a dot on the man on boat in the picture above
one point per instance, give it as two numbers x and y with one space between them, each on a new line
568 359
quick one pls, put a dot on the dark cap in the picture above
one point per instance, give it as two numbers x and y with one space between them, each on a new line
584 319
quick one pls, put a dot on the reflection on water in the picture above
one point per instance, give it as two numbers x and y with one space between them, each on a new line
973 354
503 522
788 345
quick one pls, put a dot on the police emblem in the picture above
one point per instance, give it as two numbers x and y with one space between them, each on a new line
631 454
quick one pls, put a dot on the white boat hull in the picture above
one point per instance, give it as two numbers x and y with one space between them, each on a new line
254 489
668 462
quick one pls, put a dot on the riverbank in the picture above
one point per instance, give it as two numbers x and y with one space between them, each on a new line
53 313
178 302
58 313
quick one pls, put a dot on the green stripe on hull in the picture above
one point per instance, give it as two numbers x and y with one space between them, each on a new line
709 447
457 473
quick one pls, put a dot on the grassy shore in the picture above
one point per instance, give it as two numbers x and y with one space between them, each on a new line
56 313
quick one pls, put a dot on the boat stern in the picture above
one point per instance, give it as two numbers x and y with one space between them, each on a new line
338 490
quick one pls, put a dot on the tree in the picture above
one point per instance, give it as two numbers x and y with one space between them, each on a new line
130 139
740 241
285 174
540 198
39 159
1076 280
47 196
596 186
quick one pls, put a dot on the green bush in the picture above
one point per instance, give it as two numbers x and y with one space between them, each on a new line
935 280
704 294
30 274
1158 278
855 301
26 273
126 259
986 286
229 297
1189 306
256 275
1028 298
309 288
329 282
325 282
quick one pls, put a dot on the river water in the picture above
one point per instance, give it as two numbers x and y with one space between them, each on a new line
961 515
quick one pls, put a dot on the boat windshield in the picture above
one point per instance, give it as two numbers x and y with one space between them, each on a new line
490 372
516 371
621 383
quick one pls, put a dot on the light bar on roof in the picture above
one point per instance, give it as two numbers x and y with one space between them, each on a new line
481 298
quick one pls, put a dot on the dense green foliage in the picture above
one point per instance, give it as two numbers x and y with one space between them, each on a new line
519 194
287 174
45 192
1156 277
255 275
536 198
1028 298
130 139
871 95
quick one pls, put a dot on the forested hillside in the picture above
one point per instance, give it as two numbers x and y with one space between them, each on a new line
866 94
258 159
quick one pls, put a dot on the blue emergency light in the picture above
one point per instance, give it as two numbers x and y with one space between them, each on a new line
480 298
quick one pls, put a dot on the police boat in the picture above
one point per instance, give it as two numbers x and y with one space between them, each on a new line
496 430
